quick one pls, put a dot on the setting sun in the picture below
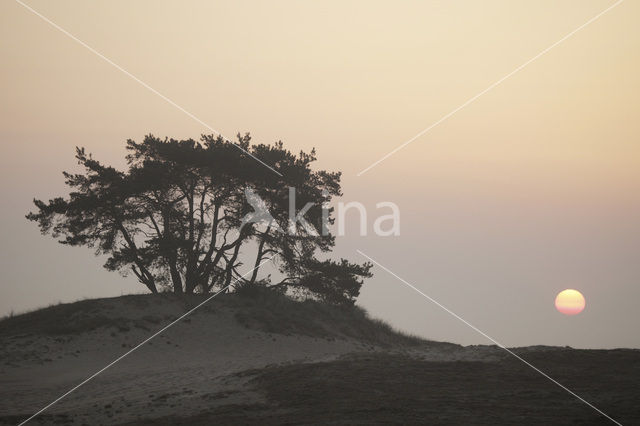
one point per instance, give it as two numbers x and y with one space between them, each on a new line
570 302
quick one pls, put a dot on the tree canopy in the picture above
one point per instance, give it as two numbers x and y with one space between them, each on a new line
174 218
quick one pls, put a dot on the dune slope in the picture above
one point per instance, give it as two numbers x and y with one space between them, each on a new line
258 357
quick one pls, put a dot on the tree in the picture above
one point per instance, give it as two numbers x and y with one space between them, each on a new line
174 218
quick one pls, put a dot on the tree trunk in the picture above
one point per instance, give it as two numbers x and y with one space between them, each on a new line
229 269
175 278
144 276
256 267
146 279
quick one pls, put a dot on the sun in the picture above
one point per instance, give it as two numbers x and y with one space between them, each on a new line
570 302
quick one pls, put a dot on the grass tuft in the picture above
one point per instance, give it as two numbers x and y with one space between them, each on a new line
253 307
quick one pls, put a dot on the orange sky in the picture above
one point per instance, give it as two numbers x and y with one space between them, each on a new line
532 188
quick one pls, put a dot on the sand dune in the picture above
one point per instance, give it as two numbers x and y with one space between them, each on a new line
233 361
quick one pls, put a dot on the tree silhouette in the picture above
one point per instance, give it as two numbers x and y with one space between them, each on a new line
174 218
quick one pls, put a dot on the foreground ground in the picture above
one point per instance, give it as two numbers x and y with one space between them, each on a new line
262 359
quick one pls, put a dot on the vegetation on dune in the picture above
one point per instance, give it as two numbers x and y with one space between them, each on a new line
254 307
261 309
393 388
65 319
176 217
398 389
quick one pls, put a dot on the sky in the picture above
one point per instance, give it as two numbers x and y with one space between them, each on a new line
530 189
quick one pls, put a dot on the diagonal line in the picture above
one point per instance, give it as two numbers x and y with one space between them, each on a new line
445 117
491 339
189 312
94 51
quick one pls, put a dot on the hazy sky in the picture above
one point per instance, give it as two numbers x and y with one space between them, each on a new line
531 189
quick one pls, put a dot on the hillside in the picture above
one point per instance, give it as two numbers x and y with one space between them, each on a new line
258 357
